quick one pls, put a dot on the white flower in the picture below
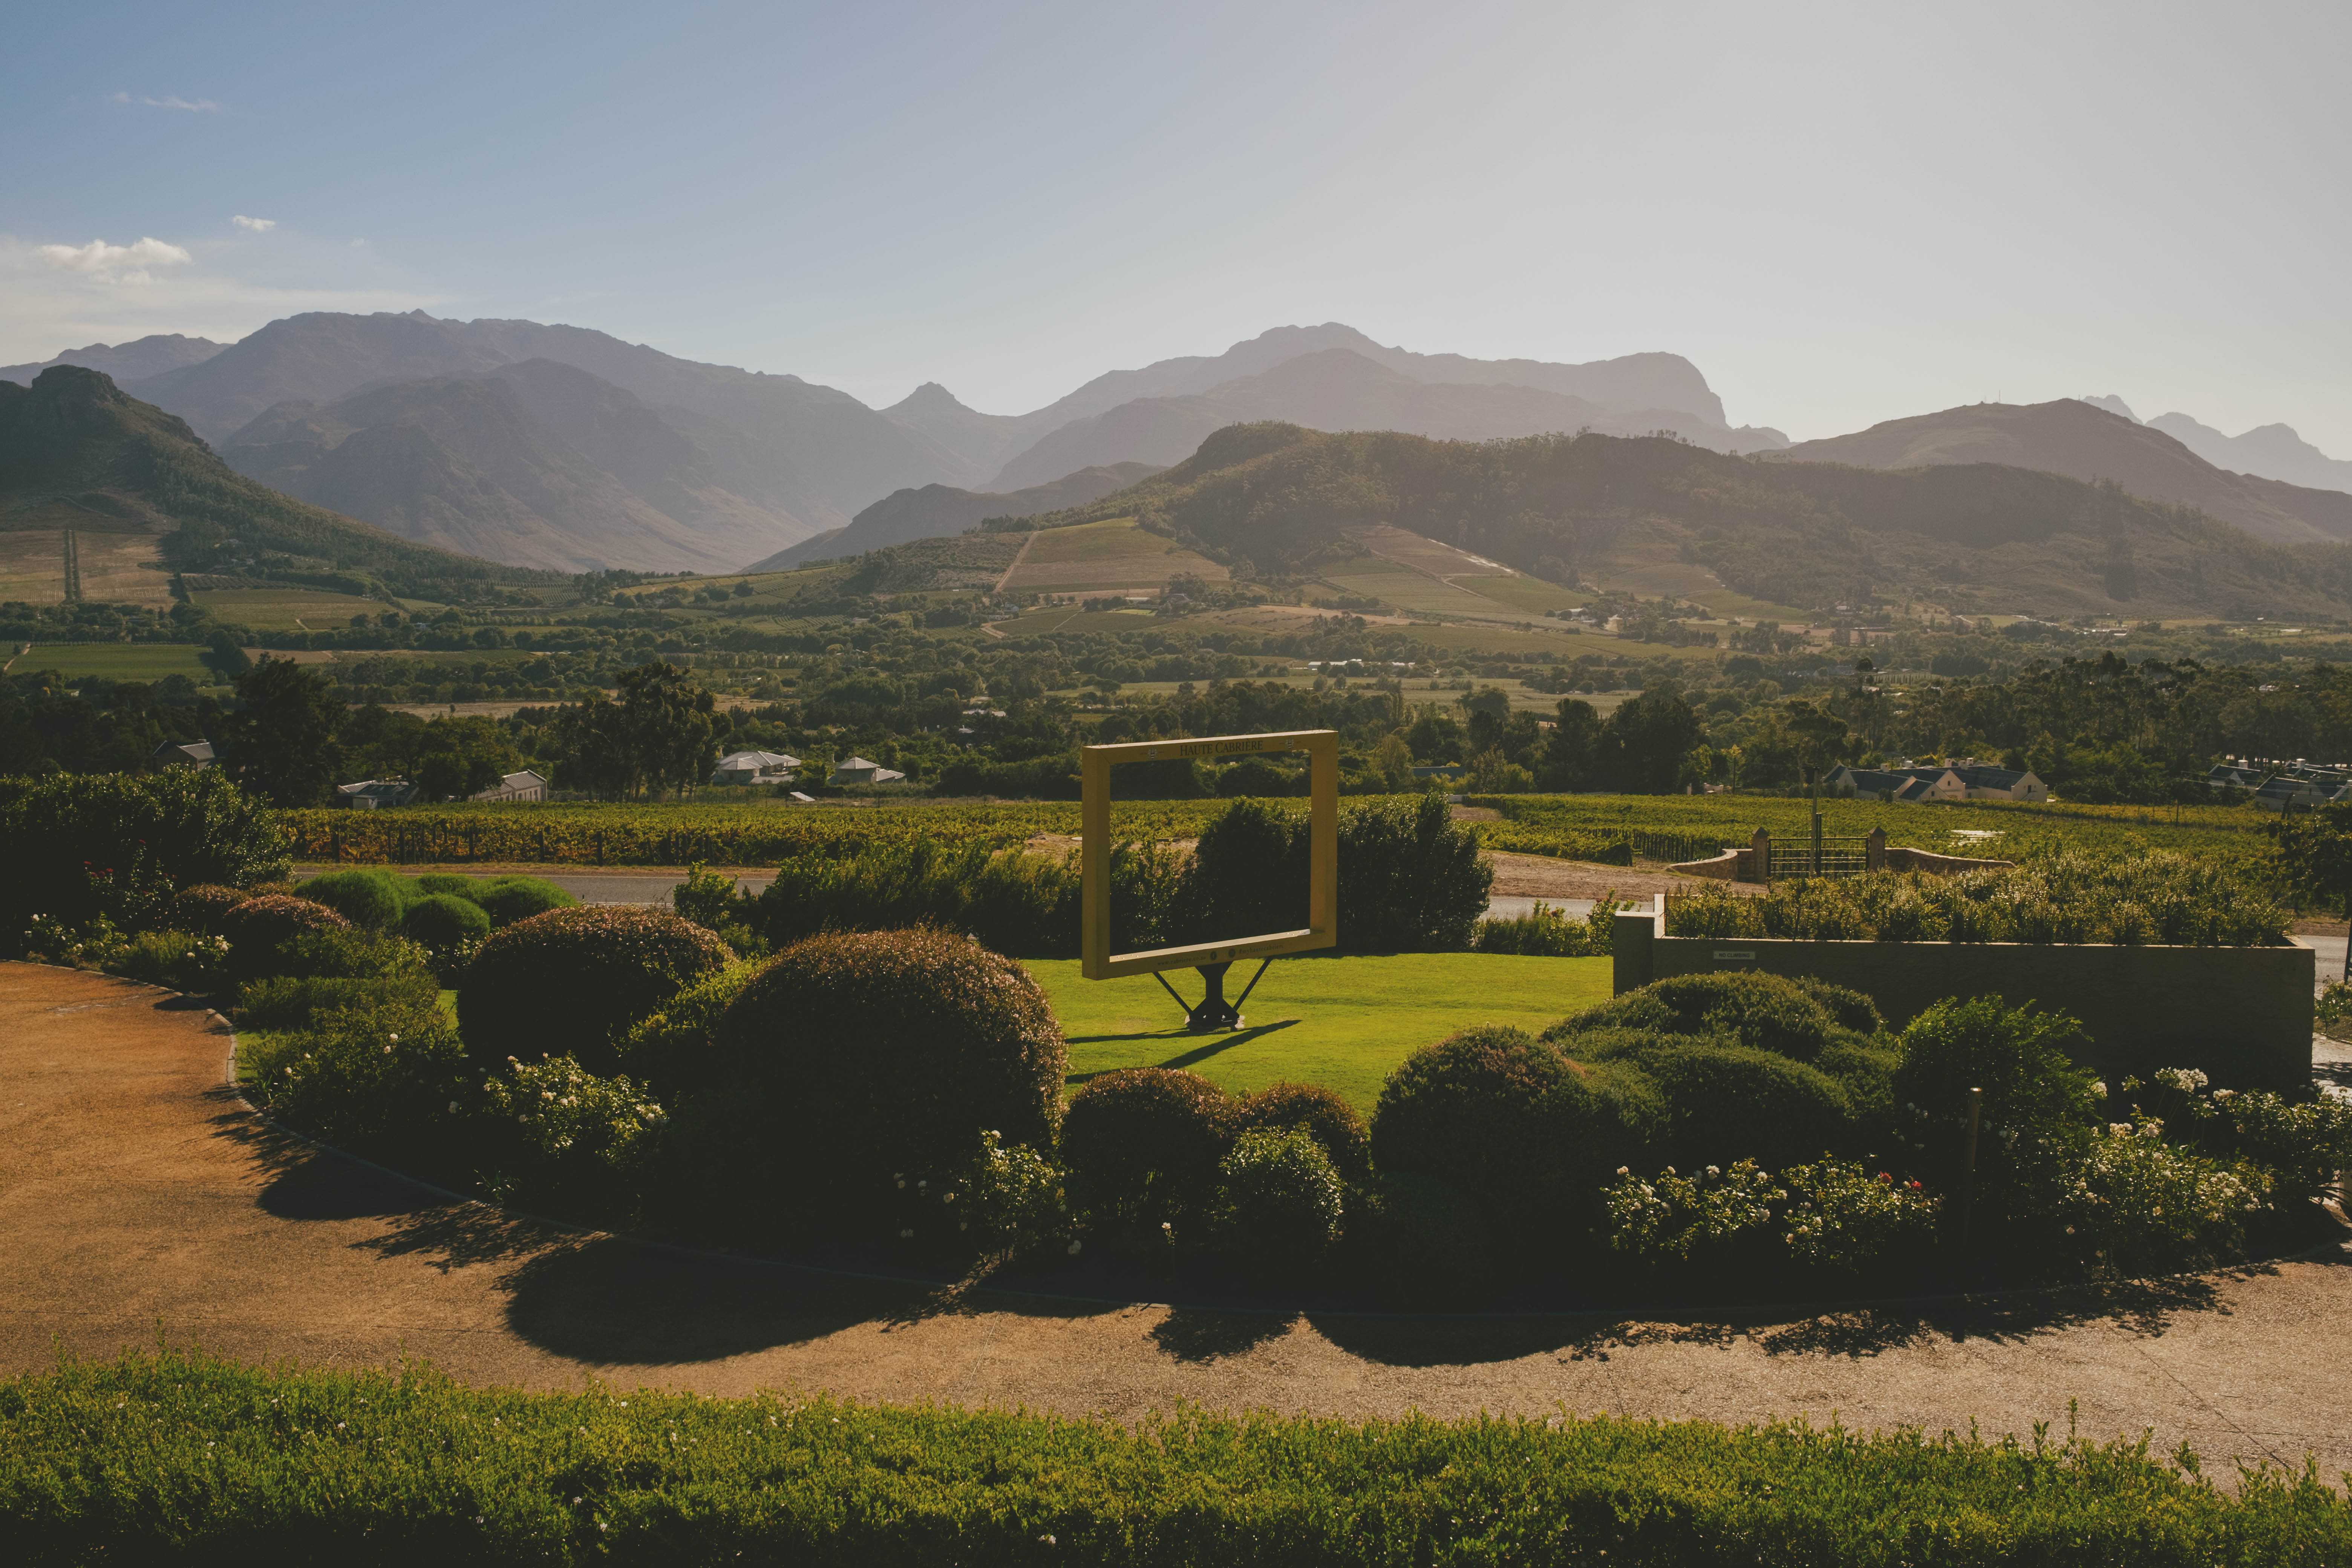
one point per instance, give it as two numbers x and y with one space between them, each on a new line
2098 1091
1624 1171
1076 1246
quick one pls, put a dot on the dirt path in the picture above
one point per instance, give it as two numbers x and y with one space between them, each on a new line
137 1192
1017 560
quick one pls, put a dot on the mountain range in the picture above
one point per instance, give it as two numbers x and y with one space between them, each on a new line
536 463
2268 451
134 361
77 453
1971 537
2072 437
758 463
934 512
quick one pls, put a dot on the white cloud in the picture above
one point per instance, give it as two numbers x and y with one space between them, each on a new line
48 301
194 106
120 98
115 263
259 225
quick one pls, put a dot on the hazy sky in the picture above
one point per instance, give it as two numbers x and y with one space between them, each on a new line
1841 213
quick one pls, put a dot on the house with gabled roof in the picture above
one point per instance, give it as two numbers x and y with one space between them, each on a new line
755 767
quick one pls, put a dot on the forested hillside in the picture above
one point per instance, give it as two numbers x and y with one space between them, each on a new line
1974 538
77 452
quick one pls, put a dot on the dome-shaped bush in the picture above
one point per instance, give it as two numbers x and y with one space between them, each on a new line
511 899
201 908
1511 1121
574 981
1331 1120
672 1050
258 928
436 884
1159 1131
1726 1102
1764 1012
371 899
443 922
1280 1202
855 1058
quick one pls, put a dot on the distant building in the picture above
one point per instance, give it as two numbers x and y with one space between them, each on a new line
1444 773
1963 778
858 770
195 754
371 794
2235 774
755 767
524 785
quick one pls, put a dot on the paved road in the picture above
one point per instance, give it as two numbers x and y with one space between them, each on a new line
139 1193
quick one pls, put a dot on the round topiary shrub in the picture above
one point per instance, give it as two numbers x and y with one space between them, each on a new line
672 1050
1142 1144
1331 1120
436 884
1764 1012
1279 1202
511 899
853 1061
200 908
258 928
1726 1102
1508 1120
577 980
445 923
1850 1008
371 899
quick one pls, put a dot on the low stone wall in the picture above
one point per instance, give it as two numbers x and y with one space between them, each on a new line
1731 866
2242 1014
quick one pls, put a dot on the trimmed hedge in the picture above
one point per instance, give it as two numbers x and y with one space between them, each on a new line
1510 1120
184 1458
1331 1120
1142 1144
442 921
856 1059
574 981
180 827
1794 1018
258 928
671 1050
507 899
370 899
201 908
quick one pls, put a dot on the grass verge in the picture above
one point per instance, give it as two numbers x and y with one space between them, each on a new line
183 1458
1345 1022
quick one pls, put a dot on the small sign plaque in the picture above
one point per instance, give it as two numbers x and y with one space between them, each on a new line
1741 955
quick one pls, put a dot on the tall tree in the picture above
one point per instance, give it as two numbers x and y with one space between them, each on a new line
1646 738
280 740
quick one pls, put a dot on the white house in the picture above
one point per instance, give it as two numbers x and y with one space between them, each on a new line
858 770
524 785
197 754
369 794
754 767
1963 778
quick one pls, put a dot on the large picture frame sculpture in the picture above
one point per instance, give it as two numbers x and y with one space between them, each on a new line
1212 958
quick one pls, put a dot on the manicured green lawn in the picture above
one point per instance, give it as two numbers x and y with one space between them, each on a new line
1342 1022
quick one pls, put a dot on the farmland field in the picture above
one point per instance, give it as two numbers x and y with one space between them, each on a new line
1344 1022
1104 556
284 609
1674 828
116 660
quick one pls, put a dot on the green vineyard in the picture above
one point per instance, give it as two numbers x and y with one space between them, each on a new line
1607 829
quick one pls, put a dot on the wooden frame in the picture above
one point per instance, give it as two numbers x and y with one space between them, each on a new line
1322 930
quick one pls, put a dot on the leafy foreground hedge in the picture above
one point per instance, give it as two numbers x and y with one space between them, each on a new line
183 1458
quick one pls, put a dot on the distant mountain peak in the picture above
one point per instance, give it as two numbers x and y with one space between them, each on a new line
928 398
2113 404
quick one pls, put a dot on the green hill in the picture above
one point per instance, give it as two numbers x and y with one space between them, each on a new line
1976 538
76 452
